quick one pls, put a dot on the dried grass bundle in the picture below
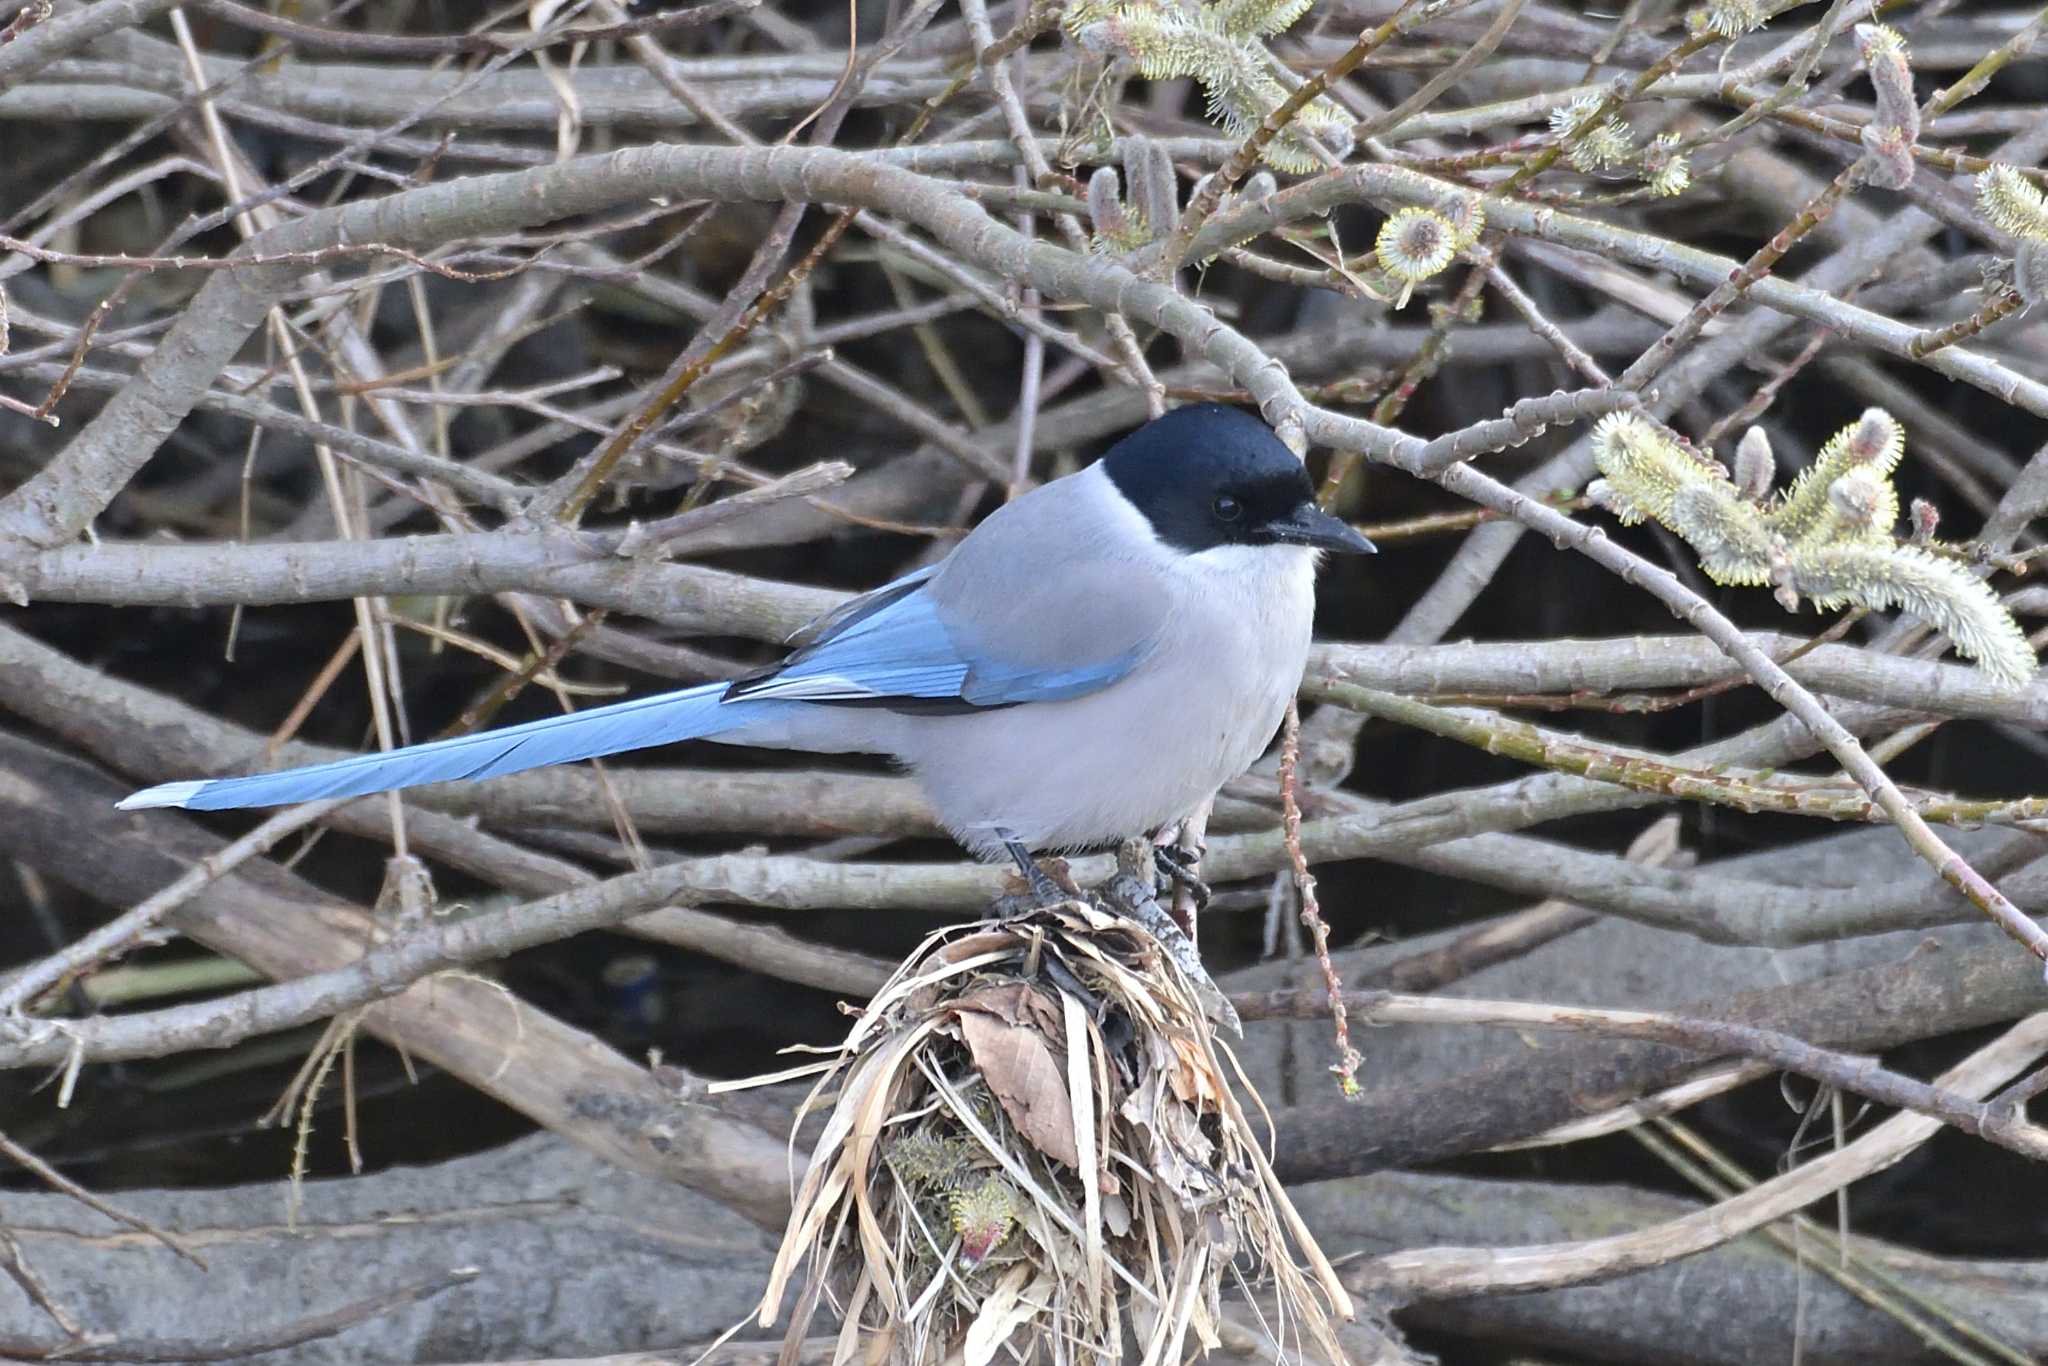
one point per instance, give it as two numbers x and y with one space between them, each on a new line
1033 1149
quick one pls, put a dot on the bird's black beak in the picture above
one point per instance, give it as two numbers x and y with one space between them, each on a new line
1309 525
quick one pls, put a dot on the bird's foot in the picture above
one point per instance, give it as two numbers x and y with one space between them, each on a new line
1130 893
1043 889
1177 866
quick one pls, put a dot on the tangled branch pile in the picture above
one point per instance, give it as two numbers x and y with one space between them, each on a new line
371 369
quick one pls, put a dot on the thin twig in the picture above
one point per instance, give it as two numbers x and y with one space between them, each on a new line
1348 1058
63 1184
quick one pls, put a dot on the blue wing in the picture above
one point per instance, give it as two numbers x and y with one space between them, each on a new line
898 644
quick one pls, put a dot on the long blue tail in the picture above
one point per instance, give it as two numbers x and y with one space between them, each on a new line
690 714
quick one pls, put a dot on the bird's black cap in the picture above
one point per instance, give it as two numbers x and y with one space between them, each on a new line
1207 476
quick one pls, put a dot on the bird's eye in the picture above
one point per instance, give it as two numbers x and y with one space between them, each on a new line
1227 509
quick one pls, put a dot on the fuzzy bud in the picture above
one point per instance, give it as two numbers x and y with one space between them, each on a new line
1897 118
1895 125
1926 521
1646 469
1262 186
1221 47
1862 501
1257 18
2011 203
1467 217
1106 205
1947 595
1723 530
1413 245
929 1160
1568 120
1891 156
1154 187
1756 467
1778 574
1727 18
1664 168
1607 143
1594 141
1874 440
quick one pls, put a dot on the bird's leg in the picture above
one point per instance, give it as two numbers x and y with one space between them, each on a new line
1043 889
1180 849
1132 893
1177 865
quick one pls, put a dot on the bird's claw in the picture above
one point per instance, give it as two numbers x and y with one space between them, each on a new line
1044 891
1177 866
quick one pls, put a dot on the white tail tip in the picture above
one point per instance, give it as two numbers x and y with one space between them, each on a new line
163 794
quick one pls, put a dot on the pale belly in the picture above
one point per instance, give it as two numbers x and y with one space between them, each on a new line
1143 752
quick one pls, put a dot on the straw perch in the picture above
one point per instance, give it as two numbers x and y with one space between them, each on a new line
1033 1149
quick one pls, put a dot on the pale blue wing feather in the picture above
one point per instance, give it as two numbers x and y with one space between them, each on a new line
853 609
906 648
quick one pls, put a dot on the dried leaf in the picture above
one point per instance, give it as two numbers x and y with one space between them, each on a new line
1002 1313
1017 1003
1018 1066
1192 1080
1116 1214
967 946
